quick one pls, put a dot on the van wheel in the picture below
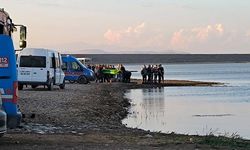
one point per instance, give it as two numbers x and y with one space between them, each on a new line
62 86
20 87
72 81
1 134
33 86
12 122
82 80
50 86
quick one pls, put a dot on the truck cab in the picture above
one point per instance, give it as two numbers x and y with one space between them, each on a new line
75 71
8 70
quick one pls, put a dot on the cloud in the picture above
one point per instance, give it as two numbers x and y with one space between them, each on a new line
211 38
219 28
183 38
140 37
116 36
112 36
178 39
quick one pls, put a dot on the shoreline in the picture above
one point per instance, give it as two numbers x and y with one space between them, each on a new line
168 83
95 122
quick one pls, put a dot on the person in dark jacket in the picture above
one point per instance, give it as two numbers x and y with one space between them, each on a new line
144 74
155 73
149 74
126 75
160 74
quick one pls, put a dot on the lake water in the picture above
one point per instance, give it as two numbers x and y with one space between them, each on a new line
221 110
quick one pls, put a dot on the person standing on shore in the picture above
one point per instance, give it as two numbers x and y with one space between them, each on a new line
99 74
155 73
119 75
160 74
150 74
144 74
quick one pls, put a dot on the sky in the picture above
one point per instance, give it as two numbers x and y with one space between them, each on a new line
135 26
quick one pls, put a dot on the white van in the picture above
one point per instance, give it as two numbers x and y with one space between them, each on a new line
38 66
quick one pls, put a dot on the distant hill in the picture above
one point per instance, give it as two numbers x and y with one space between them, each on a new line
165 58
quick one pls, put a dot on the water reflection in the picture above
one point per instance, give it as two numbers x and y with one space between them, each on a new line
150 106
153 95
180 110
195 110
153 103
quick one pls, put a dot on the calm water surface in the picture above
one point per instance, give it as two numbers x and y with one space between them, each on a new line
195 110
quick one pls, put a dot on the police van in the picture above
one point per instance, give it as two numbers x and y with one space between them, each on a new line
37 66
75 71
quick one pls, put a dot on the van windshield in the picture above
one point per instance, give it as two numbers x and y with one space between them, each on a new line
33 61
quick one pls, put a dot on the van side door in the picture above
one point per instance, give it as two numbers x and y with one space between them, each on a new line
62 75
76 70
57 68
59 74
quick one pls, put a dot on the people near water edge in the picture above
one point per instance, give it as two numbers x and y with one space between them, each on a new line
152 74
120 74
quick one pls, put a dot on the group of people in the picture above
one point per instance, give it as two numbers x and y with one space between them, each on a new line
109 73
152 74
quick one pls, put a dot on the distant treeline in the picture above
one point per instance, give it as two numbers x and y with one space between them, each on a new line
165 58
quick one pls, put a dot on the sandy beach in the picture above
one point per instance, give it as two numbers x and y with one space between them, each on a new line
89 117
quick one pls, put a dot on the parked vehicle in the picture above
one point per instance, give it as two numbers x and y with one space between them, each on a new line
75 71
8 70
85 61
3 118
38 66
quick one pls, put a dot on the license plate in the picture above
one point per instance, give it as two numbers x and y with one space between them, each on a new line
4 62
25 73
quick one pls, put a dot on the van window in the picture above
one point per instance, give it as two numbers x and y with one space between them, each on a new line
52 62
75 66
33 61
64 66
